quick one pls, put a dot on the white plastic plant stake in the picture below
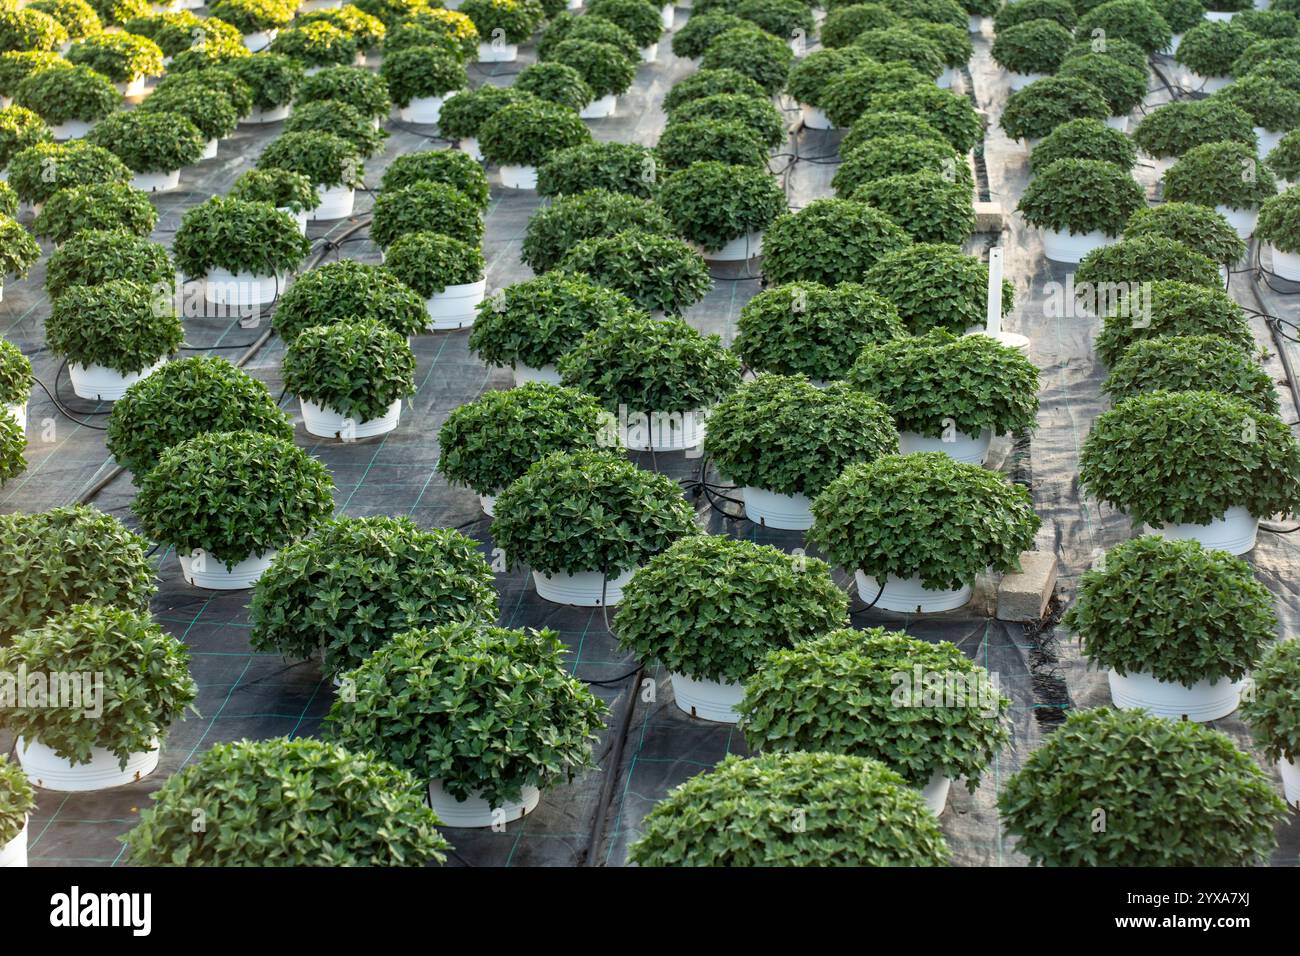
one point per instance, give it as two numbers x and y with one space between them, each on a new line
47 770
477 812
708 699
993 313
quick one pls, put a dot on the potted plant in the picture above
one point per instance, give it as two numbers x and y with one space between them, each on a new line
556 83
502 25
1181 15
1273 107
364 811
68 556
112 335
213 78
1174 308
365 22
1171 130
287 191
448 29
758 114
722 209
1207 52
1131 262
828 241
488 443
1189 363
614 517
1133 20
660 377
1123 87
37 172
876 125
634 17
338 119
342 290
935 286
1084 139
782 18
330 162
1284 160
70 99
883 156
448 166
1278 226
659 273
154 146
1176 625
274 79
952 42
782 440
18 250
1023 11
950 113
243 250
186 398
929 207
13 444
569 219
1225 176
15 382
709 608
1031 50
900 44
605 69
847 683
529 325
618 167
95 256
23 28
210 110
350 378
419 80
1216 467
1199 228
115 13
724 141
126 59
1036 110
1080 205
258 20
77 17
462 115
100 206
878 518
764 58
176 32
403 577
447 272
704 83
857 90
208 497
17 801
425 207
703 28
519 136
811 76
950 394
1138 762
317 46
17 65
529 724
362 89
1270 709
853 812
570 26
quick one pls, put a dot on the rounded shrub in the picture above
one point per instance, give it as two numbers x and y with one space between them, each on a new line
1036 110
703 83
711 203
1131 262
327 160
119 56
618 167
342 290
929 207
429 262
1278 224
316 44
20 128
425 207
1089 139
272 78
123 325
760 115
357 368
240 237
1032 46
871 126
606 69
96 256
935 286
1133 20
1272 711
1081 196
1178 363
697 141
1199 228
859 88
829 241
1270 105
1210 48
1174 308
1123 87
557 83
101 206
149 141
524 133
1175 128
556 228
360 88
658 273
950 113
39 171
17 800
1025 11
811 75
421 71
762 57
515 21
68 93
279 187
1220 174
448 166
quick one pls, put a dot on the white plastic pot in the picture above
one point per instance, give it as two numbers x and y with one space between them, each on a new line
14 853
469 146
969 449
135 87
205 571
946 78
741 249
1020 80
299 216
1118 122
1243 220
1268 140
309 6
909 595
572 5
18 413
1204 700
336 202
650 53
600 108
935 793
105 384
1290 771
325 422
708 699
489 504
1235 532
498 53
526 373
222 287
259 41
783 512
1174 44
209 150
275 114
477 812
422 109
72 129
1219 15
666 16
581 590
814 117
157 182
670 432
519 177
1286 265
49 771
1072 246
456 306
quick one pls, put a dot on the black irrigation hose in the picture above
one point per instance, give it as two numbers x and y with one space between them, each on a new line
1275 328
64 410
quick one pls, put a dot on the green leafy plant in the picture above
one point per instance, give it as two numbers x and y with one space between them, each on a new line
953 42
13 444
1199 228
1024 11
101 206
1032 46
17 65
656 272
854 812
1284 71
119 56
367 20
433 26
214 493
1081 196
1132 760
345 589
338 119
119 324
428 262
568 26
634 16
950 113
704 83
1177 127
574 512
95 256
871 126
425 207
760 115
514 20
885 156
145 674
711 607
15 375
829 241
344 290
556 228
1045 104
1127 52
1173 610
420 72
344 809
973 382
117 12
206 57
316 44
252 16
711 203
1174 308
1133 20
215 80
789 437
18 250
37 172
1177 363
1284 159
279 187
845 23
844 688
902 45
1279 23
1086 139
858 89
1220 174
272 78
17 800
148 141
179 31
1277 224
517 719
186 398
617 167
1123 87
67 93
524 133
764 58
358 87
929 207
882 518
8 200
1270 105
449 166
1181 15
812 75
77 17
782 18
698 32
1272 711
556 83
356 368
1210 47
533 323
1131 262
26 28
935 286
240 237
704 140
327 160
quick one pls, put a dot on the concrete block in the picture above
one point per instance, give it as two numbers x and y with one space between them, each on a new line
988 217
1024 596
